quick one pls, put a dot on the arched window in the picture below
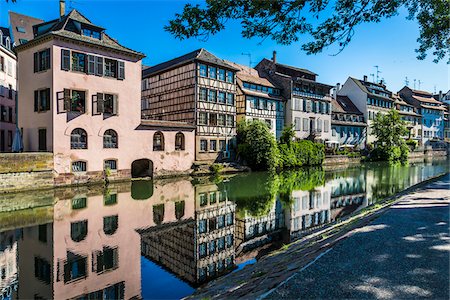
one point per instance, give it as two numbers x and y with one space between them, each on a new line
110 139
158 141
179 141
78 139
8 43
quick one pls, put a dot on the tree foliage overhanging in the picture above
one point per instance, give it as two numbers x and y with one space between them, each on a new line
327 22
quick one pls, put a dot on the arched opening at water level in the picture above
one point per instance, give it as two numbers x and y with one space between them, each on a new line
142 168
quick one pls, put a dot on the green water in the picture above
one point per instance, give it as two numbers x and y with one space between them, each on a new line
163 239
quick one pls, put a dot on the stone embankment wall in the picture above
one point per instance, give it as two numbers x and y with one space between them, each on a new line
340 160
23 171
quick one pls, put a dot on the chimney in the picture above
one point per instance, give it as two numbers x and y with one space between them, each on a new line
336 89
274 57
365 78
62 8
441 97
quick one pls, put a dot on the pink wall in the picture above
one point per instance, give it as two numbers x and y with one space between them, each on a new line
133 144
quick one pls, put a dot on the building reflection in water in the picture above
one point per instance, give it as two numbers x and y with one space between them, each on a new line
94 242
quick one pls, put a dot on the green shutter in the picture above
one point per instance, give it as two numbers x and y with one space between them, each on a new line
36 100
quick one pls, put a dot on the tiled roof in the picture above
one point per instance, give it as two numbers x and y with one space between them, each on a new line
197 55
432 107
250 75
363 86
343 104
165 125
296 69
426 99
421 92
348 123
26 22
57 27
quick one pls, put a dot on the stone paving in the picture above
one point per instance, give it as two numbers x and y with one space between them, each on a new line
313 267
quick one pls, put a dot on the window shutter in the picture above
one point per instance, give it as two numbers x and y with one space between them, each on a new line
121 71
60 102
91 64
100 103
2 63
36 61
47 63
115 105
65 60
36 100
47 104
99 66
67 99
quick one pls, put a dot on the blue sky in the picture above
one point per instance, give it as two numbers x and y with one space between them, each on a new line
139 25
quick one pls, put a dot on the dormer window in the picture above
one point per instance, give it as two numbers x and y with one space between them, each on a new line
91 33
20 29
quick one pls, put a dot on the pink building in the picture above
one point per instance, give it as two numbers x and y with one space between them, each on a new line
81 101
7 90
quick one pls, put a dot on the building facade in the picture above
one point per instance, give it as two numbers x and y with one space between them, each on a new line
81 101
370 99
258 99
408 113
308 105
200 89
431 110
348 127
8 90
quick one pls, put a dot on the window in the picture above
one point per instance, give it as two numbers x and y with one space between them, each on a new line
105 260
42 269
203 145
212 198
221 97
230 77
221 243
202 118
110 224
74 101
202 94
110 139
110 199
202 226
79 166
202 250
202 199
91 33
78 139
230 121
229 240
203 70
79 203
2 64
179 141
107 103
221 74
110 164
42 100
98 66
212 95
222 145
78 230
221 120
305 124
297 123
268 123
212 72
229 219
212 119
158 141
65 59
326 125
230 99
110 67
20 29
213 145
78 61
42 60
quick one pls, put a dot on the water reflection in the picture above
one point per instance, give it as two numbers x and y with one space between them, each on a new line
161 240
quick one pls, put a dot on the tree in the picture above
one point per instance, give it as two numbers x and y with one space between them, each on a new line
328 22
390 131
287 135
257 146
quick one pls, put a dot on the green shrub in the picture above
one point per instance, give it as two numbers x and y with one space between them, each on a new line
301 153
216 168
412 144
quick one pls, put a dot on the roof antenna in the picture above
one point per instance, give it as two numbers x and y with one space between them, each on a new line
373 77
250 62
378 72
419 83
414 83
406 81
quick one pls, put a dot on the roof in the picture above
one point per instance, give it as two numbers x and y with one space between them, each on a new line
363 86
348 123
165 125
296 69
198 55
426 99
250 75
26 22
60 27
343 104
421 92
432 107
399 100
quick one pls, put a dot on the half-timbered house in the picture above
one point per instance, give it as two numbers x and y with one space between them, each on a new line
198 88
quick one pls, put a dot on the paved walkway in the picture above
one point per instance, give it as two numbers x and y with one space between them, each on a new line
402 254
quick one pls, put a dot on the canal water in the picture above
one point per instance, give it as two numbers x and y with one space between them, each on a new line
163 239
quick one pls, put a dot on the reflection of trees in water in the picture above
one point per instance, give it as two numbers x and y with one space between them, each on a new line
255 193
179 209
158 214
